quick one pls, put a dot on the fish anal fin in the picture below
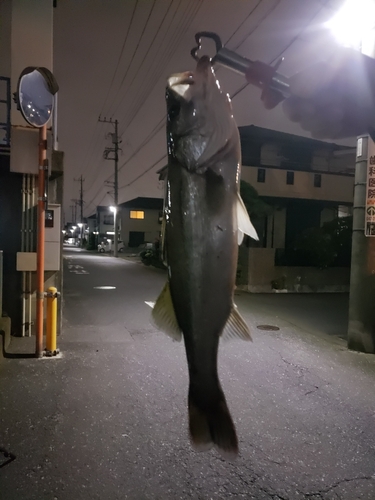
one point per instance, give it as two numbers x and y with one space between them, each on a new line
236 327
243 221
163 315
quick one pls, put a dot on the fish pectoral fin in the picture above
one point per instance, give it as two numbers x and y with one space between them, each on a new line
243 222
236 327
163 315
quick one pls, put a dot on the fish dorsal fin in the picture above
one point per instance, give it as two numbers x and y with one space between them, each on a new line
163 315
243 222
236 327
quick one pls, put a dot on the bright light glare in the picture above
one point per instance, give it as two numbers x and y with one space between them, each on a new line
354 21
80 224
113 209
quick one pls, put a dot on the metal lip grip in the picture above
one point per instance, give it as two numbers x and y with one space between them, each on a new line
257 73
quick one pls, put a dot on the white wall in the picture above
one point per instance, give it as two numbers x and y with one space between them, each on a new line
334 187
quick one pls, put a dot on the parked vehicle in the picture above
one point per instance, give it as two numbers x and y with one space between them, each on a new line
108 246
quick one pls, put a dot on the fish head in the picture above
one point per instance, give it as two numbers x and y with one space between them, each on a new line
200 120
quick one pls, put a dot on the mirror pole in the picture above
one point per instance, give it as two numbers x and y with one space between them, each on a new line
40 241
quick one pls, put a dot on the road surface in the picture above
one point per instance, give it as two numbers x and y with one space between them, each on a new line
109 419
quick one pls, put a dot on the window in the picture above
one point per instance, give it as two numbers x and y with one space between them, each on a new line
137 214
108 220
317 180
261 175
290 178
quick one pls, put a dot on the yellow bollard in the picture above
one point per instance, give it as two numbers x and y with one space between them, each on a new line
51 321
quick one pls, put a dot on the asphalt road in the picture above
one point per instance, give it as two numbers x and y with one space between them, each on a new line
108 420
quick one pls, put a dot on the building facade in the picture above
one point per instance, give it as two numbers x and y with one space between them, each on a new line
26 40
306 183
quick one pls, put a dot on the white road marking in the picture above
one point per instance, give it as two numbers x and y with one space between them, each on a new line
151 304
104 287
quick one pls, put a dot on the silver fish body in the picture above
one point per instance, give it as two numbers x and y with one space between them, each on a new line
201 244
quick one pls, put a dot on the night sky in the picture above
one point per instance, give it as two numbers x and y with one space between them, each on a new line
113 57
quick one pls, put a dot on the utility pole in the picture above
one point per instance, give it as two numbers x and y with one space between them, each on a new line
361 329
74 210
80 202
112 154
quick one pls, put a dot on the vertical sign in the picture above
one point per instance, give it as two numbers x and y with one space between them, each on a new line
370 190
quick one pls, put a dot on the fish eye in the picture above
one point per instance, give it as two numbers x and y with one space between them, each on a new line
174 110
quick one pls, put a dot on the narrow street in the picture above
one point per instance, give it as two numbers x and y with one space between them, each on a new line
108 420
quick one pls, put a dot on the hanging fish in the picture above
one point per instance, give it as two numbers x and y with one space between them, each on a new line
205 220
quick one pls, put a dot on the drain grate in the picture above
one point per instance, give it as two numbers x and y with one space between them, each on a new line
270 328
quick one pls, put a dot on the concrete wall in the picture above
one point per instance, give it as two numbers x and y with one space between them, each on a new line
262 271
5 35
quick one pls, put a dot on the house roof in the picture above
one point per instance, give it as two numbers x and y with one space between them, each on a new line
140 202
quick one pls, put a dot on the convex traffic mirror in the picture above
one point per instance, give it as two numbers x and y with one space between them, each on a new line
35 95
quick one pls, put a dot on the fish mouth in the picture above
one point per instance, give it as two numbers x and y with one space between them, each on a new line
181 82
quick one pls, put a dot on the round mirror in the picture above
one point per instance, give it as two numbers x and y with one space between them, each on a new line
35 95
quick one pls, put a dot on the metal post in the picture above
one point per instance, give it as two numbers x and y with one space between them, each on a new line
40 242
116 188
51 348
361 331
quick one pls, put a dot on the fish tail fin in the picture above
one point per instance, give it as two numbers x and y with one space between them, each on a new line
211 424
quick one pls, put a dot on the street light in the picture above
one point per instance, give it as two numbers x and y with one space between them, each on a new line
114 210
354 26
353 22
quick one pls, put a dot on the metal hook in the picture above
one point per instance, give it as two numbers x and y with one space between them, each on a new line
198 39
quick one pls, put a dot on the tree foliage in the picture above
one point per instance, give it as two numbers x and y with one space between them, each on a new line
327 245
253 203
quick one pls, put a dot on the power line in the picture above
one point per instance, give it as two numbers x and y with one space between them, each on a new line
168 54
147 52
160 125
244 21
152 134
267 14
134 53
121 53
143 173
